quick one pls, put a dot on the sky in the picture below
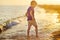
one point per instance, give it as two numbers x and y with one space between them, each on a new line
27 2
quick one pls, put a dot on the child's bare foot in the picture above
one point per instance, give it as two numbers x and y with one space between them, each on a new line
37 36
28 36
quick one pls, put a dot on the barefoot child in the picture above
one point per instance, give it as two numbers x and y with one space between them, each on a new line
31 19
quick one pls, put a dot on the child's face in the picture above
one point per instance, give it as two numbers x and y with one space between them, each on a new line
34 5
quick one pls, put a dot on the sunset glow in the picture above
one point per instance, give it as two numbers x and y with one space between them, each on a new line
27 2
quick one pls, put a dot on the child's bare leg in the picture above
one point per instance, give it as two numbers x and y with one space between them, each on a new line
36 30
28 31
29 27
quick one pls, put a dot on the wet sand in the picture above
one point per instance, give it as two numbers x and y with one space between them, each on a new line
19 32
43 34
24 37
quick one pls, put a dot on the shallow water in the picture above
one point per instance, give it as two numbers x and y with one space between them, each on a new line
46 24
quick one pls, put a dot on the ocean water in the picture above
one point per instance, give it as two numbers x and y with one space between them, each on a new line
46 21
9 12
42 18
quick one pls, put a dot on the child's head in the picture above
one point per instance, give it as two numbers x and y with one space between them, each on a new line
33 3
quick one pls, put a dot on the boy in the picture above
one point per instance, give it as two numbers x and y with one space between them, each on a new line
31 19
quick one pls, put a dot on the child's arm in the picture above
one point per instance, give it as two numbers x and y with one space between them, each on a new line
31 14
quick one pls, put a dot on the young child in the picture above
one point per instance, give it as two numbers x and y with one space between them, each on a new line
31 19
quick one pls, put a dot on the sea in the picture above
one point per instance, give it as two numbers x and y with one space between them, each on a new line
46 22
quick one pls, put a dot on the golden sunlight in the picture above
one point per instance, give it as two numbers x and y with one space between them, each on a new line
27 2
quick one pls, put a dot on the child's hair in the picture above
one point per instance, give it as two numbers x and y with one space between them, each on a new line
32 2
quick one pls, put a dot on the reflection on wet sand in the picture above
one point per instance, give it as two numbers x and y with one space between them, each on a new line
33 38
